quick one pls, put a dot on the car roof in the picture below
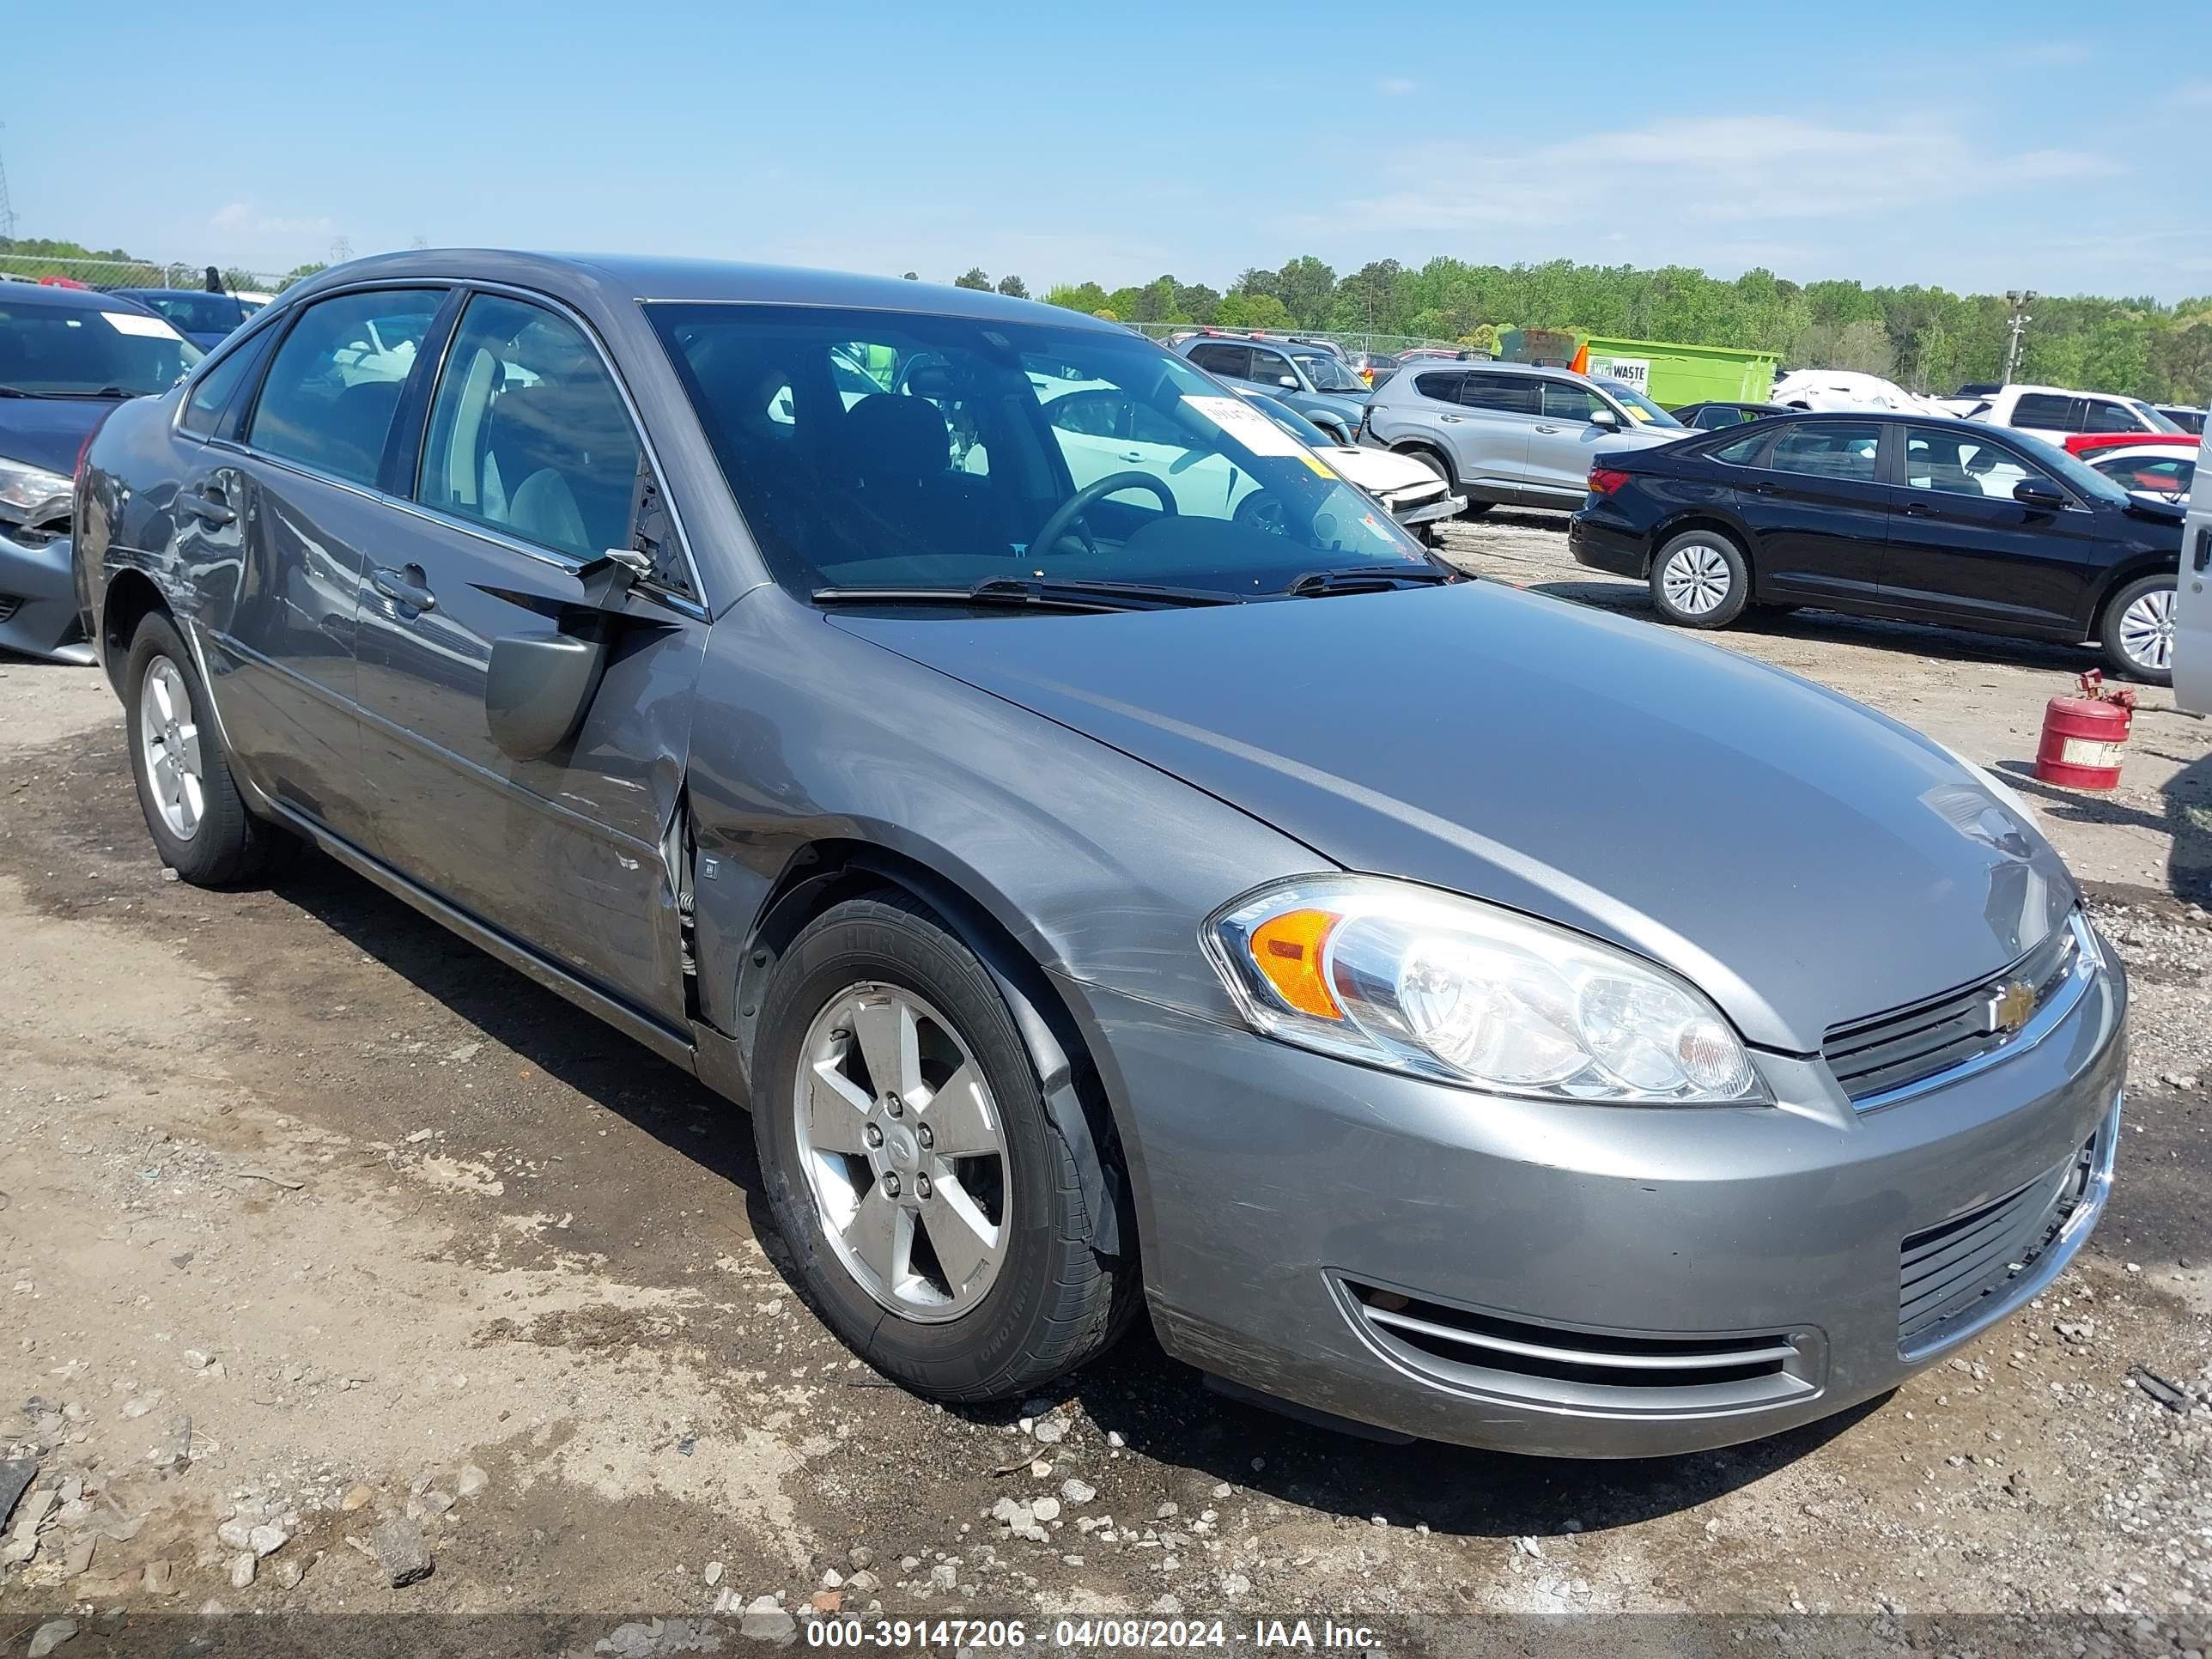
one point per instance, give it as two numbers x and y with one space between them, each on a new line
71 299
644 278
173 293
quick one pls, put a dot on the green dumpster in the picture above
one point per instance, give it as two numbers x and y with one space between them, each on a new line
1672 375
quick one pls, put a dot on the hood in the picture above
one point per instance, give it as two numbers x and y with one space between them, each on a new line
48 432
1343 405
1644 437
1804 860
1379 471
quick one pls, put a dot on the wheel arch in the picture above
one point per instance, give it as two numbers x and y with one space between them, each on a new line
1701 518
824 873
130 597
2121 576
1429 447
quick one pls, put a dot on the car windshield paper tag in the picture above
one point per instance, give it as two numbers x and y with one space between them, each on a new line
129 322
1247 425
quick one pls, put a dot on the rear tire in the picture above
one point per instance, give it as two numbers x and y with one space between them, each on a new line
200 822
998 1309
1700 578
2137 629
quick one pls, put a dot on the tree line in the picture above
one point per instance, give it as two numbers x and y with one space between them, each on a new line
1927 338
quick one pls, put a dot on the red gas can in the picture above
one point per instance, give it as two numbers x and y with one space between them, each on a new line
2083 736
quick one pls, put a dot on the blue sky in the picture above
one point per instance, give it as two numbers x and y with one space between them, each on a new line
1976 146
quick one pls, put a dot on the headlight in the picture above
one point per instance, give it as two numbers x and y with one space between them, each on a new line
1407 978
28 491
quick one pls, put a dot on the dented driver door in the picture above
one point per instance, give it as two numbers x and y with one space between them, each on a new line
532 468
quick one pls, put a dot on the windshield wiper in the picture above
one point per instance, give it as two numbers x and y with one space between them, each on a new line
1369 579
1042 593
13 391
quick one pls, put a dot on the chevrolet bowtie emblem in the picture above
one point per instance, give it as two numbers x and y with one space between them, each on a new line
2011 1005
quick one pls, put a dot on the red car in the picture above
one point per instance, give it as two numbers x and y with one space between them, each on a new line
2145 462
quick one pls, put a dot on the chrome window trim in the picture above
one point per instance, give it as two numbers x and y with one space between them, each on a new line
698 600
2089 959
682 602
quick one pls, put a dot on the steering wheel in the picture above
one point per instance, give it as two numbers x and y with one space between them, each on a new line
1076 505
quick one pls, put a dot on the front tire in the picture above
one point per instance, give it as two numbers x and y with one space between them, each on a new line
1700 578
935 1217
192 806
2138 632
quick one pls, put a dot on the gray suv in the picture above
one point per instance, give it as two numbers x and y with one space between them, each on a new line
1507 433
1307 376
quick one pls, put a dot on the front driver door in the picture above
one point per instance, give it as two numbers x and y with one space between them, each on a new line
1961 548
530 469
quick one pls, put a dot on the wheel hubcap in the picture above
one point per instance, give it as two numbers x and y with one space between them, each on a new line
1695 579
904 1152
2146 629
169 748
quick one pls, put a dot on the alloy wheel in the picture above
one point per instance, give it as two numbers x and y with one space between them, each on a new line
2146 630
1695 578
904 1151
169 747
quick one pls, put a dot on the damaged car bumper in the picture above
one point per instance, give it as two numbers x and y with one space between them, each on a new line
39 613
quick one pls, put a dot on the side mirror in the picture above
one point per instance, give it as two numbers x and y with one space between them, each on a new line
2039 494
538 686
1605 418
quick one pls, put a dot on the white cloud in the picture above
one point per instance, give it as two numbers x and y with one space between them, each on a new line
2193 94
244 220
2048 54
1396 85
1749 169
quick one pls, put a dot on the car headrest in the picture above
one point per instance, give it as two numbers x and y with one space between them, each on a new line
899 439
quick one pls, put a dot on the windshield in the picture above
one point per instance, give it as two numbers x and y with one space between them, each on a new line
1640 408
197 313
2086 479
1000 449
1329 374
56 351
1291 420
2151 418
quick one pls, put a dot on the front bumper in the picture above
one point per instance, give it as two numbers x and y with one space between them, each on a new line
1635 1281
1446 506
38 614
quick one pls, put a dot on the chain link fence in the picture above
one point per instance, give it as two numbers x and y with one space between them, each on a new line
131 273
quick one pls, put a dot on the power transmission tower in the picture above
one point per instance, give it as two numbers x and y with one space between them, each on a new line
7 208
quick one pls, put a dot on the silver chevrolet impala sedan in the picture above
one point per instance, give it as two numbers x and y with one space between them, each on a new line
1118 878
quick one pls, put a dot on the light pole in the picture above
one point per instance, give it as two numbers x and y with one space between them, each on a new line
2020 299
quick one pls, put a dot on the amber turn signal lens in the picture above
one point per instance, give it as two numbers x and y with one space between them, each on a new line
1288 950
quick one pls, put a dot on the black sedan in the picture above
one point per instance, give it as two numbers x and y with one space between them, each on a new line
1923 520
1712 417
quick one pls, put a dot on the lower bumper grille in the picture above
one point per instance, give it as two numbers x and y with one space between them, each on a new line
1955 1276
9 604
1550 1365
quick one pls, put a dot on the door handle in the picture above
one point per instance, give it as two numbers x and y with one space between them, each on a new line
1763 488
1916 510
2203 548
1451 420
1548 429
407 585
206 504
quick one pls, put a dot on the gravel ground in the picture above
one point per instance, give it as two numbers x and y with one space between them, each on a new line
329 1249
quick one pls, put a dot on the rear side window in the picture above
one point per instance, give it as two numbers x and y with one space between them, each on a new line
528 434
218 388
2051 413
1513 394
1230 360
1742 452
1842 449
333 386
1443 386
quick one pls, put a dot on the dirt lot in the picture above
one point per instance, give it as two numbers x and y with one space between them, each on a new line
313 1221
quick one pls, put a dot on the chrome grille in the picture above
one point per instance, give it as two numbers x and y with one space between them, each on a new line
1879 1059
1551 1366
1947 1271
